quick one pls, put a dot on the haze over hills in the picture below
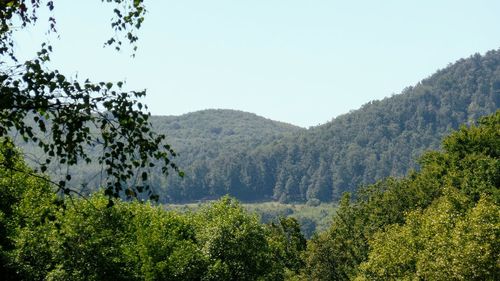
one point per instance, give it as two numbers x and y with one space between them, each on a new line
254 158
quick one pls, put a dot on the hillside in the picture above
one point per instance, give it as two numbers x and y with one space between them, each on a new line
206 134
255 159
386 137
380 139
201 139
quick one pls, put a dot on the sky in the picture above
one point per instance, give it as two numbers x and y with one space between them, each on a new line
300 62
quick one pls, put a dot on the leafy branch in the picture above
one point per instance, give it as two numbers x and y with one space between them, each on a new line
66 118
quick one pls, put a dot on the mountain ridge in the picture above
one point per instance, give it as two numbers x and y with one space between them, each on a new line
254 158
381 138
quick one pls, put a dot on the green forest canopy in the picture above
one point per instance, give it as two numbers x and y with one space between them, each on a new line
439 223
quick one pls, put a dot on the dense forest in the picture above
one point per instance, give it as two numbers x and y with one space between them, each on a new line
439 223
383 138
253 158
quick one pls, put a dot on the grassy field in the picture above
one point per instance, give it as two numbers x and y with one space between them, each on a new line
311 218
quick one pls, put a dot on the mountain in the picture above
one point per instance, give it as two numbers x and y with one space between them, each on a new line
201 139
254 158
382 138
208 133
207 142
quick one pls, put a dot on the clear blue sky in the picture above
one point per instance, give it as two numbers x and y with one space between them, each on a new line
301 62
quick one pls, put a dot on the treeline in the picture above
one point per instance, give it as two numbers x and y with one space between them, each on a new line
381 139
439 223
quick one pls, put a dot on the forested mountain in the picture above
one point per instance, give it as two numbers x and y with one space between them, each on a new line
201 139
383 138
203 135
253 158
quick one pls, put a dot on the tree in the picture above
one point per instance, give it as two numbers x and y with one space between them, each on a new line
444 242
235 242
13 186
42 238
288 245
66 117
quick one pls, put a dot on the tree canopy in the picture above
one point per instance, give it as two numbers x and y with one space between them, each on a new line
44 237
440 223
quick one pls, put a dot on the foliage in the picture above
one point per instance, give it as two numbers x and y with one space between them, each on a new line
446 241
46 237
311 219
165 246
289 246
254 159
89 241
13 184
439 223
416 226
234 242
65 117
